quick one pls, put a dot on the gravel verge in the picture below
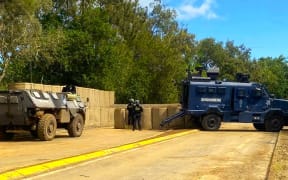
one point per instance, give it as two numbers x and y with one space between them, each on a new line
279 163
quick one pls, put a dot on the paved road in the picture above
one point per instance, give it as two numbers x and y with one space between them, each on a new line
234 152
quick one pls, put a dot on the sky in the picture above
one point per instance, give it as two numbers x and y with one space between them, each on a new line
261 25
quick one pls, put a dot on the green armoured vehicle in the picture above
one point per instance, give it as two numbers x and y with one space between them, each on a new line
41 113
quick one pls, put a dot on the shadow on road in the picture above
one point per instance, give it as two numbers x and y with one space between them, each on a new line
27 137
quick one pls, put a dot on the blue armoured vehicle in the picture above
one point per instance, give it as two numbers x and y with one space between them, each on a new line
209 102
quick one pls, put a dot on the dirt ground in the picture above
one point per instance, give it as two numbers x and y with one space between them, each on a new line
279 163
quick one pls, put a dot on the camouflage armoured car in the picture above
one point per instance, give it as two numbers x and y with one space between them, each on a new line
41 113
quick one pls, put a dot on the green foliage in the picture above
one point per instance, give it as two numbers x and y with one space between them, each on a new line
272 72
19 31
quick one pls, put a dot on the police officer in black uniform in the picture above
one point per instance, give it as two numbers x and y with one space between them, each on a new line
130 108
137 115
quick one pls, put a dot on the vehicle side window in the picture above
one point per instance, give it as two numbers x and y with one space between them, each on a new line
55 96
46 95
221 90
257 92
241 92
201 89
211 90
36 94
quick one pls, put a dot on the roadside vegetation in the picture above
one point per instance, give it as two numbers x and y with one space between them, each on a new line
117 45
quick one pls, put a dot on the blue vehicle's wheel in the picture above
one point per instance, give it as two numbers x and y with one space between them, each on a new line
274 123
211 122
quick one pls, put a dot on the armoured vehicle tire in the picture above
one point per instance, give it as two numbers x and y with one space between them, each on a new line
75 127
259 127
211 122
47 126
273 123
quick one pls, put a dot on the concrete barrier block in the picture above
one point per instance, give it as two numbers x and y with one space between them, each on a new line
119 118
56 88
20 86
93 117
38 86
111 117
111 98
158 114
176 123
146 119
91 98
97 116
97 97
88 116
104 121
47 87
102 98
126 120
106 99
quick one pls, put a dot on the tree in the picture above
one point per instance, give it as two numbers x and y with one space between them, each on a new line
19 29
230 59
273 73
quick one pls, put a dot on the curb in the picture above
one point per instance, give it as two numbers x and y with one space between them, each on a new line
61 163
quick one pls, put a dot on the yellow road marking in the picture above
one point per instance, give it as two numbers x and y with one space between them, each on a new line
52 165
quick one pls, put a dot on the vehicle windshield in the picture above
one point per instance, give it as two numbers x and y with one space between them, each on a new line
265 91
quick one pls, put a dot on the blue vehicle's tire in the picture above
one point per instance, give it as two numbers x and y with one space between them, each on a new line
273 123
47 126
211 122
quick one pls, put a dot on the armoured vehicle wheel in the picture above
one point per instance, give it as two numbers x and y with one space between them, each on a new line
47 127
273 123
259 127
211 122
75 127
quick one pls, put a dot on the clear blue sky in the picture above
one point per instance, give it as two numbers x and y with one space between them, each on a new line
261 25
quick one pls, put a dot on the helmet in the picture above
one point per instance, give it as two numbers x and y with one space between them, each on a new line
131 100
137 102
